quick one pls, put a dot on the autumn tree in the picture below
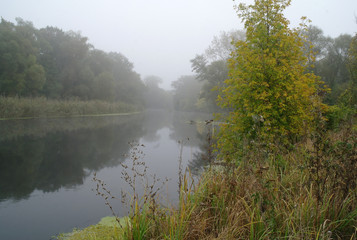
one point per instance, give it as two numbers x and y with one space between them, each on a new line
269 92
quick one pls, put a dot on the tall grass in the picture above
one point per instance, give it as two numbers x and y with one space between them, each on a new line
16 107
277 198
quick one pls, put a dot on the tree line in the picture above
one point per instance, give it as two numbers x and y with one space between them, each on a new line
62 65
211 68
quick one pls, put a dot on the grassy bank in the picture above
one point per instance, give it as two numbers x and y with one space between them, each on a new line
16 108
307 193
107 228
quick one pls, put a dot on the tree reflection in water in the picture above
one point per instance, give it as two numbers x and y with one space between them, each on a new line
51 154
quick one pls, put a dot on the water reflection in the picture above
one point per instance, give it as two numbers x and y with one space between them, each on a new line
47 154
60 154
192 130
155 120
45 166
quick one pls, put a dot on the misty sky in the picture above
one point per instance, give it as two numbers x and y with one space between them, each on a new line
161 36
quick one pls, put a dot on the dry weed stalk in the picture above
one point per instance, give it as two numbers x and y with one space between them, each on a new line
143 194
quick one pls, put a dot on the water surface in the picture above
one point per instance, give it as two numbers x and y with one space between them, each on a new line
47 166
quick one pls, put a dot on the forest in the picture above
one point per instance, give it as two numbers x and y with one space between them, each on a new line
60 65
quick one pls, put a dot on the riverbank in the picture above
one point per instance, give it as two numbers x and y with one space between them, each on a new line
279 198
40 107
107 228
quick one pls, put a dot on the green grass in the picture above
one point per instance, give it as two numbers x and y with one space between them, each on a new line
22 108
107 229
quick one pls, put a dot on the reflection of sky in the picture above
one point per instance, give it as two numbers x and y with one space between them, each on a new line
47 214
164 161
42 215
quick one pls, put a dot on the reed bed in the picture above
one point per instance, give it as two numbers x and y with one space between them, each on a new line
40 107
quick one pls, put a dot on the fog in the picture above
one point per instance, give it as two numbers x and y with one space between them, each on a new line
159 36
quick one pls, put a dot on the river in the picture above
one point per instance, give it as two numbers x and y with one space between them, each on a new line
47 166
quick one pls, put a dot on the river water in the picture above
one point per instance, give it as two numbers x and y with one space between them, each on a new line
47 166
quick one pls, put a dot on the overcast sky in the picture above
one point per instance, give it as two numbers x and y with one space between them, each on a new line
161 36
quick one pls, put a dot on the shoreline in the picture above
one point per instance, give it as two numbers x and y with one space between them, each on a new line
72 116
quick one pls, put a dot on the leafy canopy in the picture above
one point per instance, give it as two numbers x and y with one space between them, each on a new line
269 92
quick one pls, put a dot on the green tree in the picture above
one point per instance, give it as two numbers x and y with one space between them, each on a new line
128 85
211 68
60 64
186 92
49 43
104 86
20 74
221 46
333 68
331 61
270 95
156 97
212 76
349 97
35 79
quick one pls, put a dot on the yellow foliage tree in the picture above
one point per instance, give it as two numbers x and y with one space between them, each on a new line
269 92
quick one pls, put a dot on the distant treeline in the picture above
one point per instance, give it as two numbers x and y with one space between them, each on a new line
62 65
200 92
51 63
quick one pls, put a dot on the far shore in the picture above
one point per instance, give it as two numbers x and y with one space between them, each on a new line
15 108
72 116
